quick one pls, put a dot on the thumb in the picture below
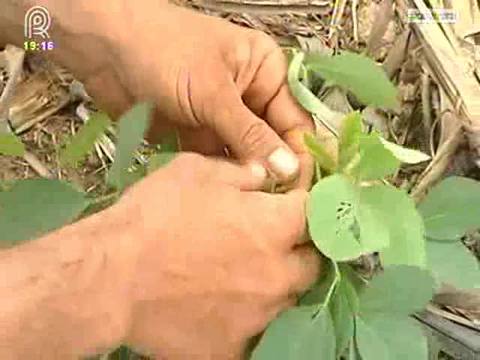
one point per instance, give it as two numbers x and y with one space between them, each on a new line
251 138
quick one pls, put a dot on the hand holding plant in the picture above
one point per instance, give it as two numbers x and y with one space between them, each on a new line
220 84
206 270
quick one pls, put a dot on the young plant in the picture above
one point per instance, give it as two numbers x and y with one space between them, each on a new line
353 212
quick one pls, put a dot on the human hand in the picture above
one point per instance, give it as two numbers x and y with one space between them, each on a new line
221 84
212 259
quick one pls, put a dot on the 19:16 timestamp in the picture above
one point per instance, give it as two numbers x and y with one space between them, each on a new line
38 46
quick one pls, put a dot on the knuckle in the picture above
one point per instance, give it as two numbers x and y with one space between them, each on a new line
279 289
279 284
242 53
268 48
261 40
291 216
191 165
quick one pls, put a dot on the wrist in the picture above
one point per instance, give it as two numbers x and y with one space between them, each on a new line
101 307
122 248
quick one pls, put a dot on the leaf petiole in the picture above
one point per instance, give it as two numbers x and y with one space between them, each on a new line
336 280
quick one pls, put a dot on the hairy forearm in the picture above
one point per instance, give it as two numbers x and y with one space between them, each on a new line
64 295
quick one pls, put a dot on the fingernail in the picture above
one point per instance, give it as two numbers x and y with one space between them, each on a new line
258 170
284 163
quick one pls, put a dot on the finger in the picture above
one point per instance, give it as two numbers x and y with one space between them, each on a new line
290 120
291 212
269 97
284 114
305 266
251 138
249 177
208 170
295 139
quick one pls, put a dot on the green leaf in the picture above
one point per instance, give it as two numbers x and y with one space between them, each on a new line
408 156
400 290
375 160
303 95
134 174
350 293
453 263
386 337
34 207
342 309
404 223
349 137
170 143
11 145
451 208
319 153
297 335
358 74
132 127
340 225
159 160
84 141
370 344
169 147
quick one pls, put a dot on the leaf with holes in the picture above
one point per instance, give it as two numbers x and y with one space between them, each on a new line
11 145
340 226
84 141
297 334
453 263
33 207
359 74
451 208
132 127
404 223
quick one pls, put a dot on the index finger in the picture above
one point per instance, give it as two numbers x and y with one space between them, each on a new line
291 122
268 97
